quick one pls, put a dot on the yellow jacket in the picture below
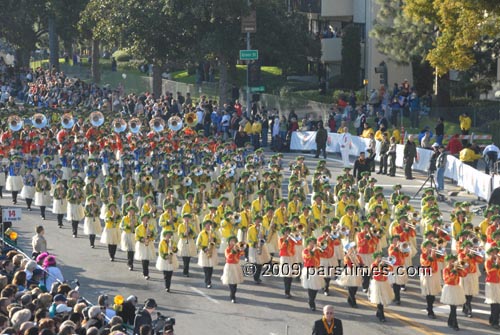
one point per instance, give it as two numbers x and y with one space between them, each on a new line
186 208
128 224
366 133
256 127
294 209
266 222
281 216
164 250
246 219
182 229
340 210
214 218
483 226
456 228
248 128
397 135
468 155
227 228
140 233
253 235
204 239
379 135
221 210
465 122
258 207
166 221
112 222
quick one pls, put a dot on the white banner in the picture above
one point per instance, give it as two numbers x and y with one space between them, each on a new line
11 214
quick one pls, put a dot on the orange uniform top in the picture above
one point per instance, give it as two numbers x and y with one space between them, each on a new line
348 261
287 247
404 234
489 233
366 246
471 259
311 258
427 261
380 272
329 251
492 271
400 256
232 256
451 276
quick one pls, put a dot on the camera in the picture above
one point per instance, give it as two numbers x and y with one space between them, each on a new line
163 323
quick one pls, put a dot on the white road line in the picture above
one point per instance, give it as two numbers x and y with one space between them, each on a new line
204 295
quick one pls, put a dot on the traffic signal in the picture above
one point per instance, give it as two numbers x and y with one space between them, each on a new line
254 74
382 71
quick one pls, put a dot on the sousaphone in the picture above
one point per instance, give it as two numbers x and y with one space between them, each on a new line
15 123
39 120
67 121
96 119
134 125
119 125
157 124
191 119
175 123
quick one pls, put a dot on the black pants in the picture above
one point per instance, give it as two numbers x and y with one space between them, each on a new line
397 292
452 318
467 307
430 304
288 284
28 203
383 164
312 297
490 159
186 261
145 267
351 299
319 148
495 314
392 164
380 312
167 276
42 211
327 284
408 164
208 274
74 226
232 291
92 240
366 281
60 218
112 251
464 141
258 270
14 197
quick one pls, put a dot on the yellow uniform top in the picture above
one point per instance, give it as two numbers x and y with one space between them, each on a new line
281 216
227 228
253 235
112 222
168 222
141 233
187 208
128 223
317 210
183 228
259 206
366 132
456 228
483 226
266 222
246 219
204 238
212 217
222 209
294 207
164 250
340 211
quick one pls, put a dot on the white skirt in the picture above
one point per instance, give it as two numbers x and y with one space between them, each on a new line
311 280
232 274
492 293
401 279
27 192
223 245
186 249
14 183
110 236
205 261
75 212
242 235
42 199
104 210
349 278
127 242
164 265
254 257
338 254
2 179
298 254
66 173
367 259
327 265
59 206
453 295
92 226
430 284
287 267
380 292
143 252
272 245
470 284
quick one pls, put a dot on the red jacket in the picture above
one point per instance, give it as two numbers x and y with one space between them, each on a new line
454 146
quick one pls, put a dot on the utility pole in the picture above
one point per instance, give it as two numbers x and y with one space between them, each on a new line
248 71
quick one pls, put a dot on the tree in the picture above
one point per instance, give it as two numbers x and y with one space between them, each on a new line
460 25
351 58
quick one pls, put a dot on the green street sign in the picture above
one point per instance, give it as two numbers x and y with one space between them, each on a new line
257 89
249 54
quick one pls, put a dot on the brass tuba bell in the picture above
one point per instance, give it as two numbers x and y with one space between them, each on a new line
134 125
119 125
187 182
67 121
39 120
15 123
96 119
157 124
191 119
175 123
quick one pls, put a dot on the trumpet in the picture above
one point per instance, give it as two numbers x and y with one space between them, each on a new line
460 265
293 239
478 252
411 226
240 246
376 232
439 251
404 247
391 260
444 230
353 257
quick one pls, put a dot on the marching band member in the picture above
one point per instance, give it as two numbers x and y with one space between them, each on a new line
259 204
351 277
108 195
430 280
287 253
456 229
492 287
227 228
207 256
127 242
453 294
257 252
42 193
245 222
269 223
111 232
92 224
59 202
145 235
232 274
28 190
470 282
366 247
350 220
380 292
327 260
491 230
311 277
295 205
398 251
186 245
167 260
14 181
75 210
169 219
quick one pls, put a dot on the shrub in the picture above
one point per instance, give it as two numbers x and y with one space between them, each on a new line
122 55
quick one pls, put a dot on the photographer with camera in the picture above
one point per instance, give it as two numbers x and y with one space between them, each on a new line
143 317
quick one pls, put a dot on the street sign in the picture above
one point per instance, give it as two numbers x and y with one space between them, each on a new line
257 89
249 54
11 214
249 23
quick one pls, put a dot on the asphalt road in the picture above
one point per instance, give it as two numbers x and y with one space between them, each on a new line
261 309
